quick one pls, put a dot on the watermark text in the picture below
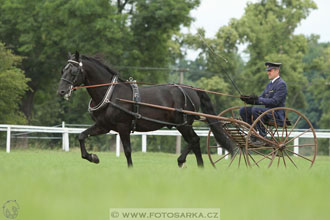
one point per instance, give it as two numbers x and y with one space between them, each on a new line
164 213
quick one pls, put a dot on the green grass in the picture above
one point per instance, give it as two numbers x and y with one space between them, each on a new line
60 185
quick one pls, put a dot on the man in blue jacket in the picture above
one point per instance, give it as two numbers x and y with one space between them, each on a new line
273 96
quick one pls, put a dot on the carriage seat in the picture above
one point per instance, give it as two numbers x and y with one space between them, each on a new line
278 123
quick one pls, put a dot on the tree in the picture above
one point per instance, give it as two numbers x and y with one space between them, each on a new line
219 64
13 85
311 72
321 86
317 70
267 28
44 31
154 23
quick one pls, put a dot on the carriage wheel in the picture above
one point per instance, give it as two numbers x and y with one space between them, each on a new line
237 132
281 146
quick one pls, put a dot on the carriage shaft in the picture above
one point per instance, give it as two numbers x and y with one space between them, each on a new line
178 110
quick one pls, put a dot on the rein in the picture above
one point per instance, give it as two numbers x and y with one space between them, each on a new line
108 84
150 84
115 82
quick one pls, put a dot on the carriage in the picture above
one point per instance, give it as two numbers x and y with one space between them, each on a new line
119 106
281 145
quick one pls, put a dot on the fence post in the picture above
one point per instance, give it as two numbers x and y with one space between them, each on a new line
219 149
296 143
8 139
117 145
178 144
144 143
65 138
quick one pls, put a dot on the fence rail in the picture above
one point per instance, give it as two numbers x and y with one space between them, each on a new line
65 131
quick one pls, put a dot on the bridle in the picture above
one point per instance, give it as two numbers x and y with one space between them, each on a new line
76 74
80 70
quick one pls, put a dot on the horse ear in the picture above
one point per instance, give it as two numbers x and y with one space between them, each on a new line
77 55
69 55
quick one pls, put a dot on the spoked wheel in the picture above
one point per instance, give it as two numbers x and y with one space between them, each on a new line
281 145
236 130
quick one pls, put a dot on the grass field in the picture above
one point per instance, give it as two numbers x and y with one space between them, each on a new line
60 185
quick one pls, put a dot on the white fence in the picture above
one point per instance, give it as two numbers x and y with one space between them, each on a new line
65 131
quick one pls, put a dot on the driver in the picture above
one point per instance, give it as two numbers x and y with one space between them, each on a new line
273 96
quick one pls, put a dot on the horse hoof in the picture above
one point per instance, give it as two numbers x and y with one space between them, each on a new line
182 165
94 158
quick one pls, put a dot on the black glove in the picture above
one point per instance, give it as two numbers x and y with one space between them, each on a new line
252 99
245 98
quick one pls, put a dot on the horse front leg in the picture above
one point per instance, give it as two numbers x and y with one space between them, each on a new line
91 131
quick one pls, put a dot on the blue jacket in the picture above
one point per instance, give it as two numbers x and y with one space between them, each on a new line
274 94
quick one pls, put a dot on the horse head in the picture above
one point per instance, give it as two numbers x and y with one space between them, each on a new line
71 75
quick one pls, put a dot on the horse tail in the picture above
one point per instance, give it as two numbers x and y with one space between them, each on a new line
215 125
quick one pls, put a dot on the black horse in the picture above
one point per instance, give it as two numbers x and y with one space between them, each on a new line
109 113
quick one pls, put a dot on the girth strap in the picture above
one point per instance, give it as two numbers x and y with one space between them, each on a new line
136 98
185 104
186 96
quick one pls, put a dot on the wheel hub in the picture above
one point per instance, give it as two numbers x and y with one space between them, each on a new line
281 147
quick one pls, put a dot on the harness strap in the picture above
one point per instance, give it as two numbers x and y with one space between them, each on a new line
138 116
73 61
136 98
185 104
185 95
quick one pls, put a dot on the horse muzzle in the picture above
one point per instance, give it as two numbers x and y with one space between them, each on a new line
65 94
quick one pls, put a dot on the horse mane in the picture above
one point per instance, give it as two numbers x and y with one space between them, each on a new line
100 61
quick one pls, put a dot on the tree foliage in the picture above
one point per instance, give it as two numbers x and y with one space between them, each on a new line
125 33
267 31
218 64
13 85
267 27
321 86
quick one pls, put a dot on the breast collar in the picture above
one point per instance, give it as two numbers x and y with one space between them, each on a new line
106 98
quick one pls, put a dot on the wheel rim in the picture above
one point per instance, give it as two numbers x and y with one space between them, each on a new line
280 145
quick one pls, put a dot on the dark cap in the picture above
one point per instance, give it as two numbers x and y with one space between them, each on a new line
271 65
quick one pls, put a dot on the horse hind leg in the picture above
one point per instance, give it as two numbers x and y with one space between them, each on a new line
183 156
192 139
126 140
